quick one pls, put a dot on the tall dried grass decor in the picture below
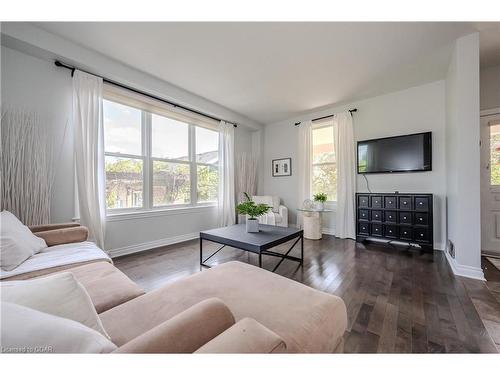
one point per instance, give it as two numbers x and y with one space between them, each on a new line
28 168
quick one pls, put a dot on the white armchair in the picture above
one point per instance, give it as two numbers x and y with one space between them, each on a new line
279 213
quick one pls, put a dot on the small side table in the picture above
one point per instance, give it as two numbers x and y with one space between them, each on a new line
312 223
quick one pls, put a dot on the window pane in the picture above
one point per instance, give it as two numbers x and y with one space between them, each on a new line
207 146
123 182
169 138
171 183
122 128
323 147
208 183
495 154
325 180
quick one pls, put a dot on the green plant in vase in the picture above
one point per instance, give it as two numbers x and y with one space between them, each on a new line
253 211
320 199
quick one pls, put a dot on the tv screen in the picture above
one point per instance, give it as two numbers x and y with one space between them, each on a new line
406 153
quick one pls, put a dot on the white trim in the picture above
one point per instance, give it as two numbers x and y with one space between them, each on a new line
131 249
144 214
489 112
465 271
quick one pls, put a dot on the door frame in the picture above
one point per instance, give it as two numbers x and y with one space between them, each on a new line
485 113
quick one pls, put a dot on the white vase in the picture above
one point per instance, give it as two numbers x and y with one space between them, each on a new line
252 225
319 206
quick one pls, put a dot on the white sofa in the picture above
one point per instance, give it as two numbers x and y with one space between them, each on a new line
278 215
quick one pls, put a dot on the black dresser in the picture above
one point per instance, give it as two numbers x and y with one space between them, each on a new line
396 217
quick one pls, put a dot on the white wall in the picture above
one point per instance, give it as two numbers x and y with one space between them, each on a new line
37 84
490 87
463 156
417 109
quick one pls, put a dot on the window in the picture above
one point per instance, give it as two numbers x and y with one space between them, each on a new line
495 154
157 159
324 167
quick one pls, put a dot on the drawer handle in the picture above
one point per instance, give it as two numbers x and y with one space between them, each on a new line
405 232
390 202
404 217
420 219
420 203
390 231
405 202
376 230
421 234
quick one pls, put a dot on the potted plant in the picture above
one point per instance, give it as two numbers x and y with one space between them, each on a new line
253 211
320 200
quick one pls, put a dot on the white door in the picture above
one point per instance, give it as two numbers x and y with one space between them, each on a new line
490 184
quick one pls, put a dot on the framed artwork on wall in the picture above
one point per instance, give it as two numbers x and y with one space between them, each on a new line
282 167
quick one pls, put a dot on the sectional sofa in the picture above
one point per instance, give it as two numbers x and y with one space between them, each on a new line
231 308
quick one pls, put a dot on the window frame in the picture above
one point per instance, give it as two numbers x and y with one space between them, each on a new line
329 123
148 159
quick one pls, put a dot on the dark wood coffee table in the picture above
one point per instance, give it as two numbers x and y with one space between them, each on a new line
268 237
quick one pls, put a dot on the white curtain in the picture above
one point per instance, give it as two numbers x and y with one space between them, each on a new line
346 175
304 164
226 174
246 177
89 153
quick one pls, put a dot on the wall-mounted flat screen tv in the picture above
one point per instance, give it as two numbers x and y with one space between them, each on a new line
405 153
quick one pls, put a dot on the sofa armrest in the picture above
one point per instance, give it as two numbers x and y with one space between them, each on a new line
185 332
46 227
246 336
283 211
64 235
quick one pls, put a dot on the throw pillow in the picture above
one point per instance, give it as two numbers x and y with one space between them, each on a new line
59 294
18 242
25 330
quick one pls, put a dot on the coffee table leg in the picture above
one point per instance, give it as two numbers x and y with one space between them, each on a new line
260 260
201 251
302 249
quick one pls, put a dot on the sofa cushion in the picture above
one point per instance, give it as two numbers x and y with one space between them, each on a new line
186 331
26 330
55 258
106 285
308 320
18 242
60 295
247 336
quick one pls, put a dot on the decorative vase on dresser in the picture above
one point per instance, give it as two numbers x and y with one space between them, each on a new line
395 217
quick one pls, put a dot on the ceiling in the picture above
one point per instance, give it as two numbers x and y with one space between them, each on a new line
273 71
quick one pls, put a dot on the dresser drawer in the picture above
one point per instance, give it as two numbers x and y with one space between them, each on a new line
376 201
377 230
363 214
405 217
421 218
363 201
391 217
406 233
364 229
405 203
422 204
376 215
422 234
390 202
391 231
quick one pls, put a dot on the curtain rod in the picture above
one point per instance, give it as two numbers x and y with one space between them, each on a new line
328 116
114 83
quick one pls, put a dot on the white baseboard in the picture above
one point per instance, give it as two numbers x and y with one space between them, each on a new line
151 244
465 271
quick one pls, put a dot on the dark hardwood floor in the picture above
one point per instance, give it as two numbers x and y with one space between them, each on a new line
398 301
